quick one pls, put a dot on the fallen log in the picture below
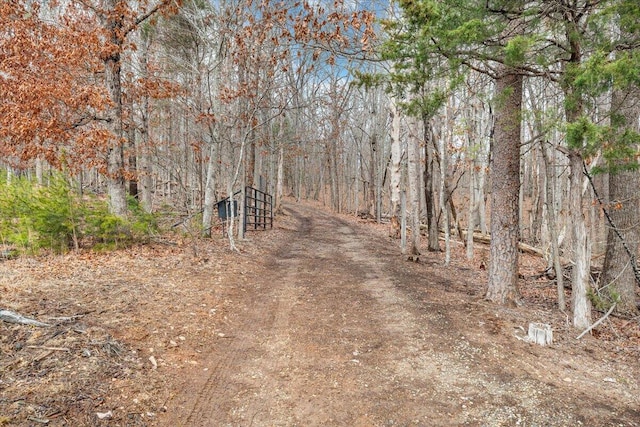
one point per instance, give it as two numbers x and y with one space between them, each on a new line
13 317
523 247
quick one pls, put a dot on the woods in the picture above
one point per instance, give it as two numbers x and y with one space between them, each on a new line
517 119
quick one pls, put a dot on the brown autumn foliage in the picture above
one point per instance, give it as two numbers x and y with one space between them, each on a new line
56 104
51 95
55 101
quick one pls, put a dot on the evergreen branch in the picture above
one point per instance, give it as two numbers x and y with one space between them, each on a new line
469 56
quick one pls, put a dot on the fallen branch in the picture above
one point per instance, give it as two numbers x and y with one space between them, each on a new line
12 317
69 318
600 320
42 347
39 420
523 247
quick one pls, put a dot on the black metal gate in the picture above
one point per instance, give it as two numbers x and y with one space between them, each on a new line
258 209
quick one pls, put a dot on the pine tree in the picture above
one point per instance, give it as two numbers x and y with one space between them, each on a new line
432 46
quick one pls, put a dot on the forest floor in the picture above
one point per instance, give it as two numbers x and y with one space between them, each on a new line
319 322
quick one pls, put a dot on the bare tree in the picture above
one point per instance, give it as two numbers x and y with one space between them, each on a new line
413 179
394 168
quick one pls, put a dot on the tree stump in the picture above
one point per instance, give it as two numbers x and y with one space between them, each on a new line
540 333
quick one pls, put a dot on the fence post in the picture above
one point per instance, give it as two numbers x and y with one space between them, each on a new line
243 196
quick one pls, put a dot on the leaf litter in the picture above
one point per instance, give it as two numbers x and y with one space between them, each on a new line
127 327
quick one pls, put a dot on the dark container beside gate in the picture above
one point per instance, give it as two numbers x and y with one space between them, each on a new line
224 209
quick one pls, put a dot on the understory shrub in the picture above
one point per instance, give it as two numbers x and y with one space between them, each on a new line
56 217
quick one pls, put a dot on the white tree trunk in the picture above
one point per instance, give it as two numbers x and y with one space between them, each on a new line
581 250
146 164
145 175
39 170
115 182
413 177
242 210
395 172
280 179
403 221
549 200
444 205
209 194
472 207
482 208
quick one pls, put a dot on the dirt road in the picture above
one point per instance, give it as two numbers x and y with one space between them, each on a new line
336 329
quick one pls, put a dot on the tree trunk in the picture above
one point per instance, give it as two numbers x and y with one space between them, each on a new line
133 161
429 187
540 182
413 176
624 210
580 278
39 170
574 107
373 172
443 201
144 171
505 190
112 74
395 172
332 149
209 194
471 225
481 196
279 180
552 225
251 160
116 182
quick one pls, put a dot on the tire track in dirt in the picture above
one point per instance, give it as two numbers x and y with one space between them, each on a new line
316 341
222 386
335 330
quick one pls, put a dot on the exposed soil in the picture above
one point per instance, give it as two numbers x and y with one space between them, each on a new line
319 322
